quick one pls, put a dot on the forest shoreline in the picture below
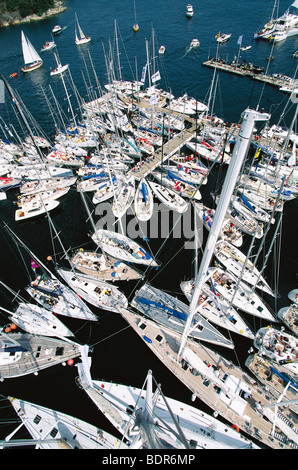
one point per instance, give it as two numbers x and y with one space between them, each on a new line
14 18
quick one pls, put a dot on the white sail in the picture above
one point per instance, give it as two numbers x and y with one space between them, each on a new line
29 53
80 37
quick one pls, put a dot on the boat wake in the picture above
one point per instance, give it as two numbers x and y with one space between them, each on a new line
188 50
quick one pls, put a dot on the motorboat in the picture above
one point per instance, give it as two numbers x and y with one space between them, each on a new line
161 50
48 46
189 10
57 30
223 37
195 43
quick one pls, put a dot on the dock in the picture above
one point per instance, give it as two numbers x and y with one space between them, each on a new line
151 162
237 69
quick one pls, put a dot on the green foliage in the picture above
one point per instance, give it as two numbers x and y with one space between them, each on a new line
26 7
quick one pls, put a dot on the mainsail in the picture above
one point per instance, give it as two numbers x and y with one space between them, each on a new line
29 53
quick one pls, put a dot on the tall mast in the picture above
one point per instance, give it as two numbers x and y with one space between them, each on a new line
19 108
249 118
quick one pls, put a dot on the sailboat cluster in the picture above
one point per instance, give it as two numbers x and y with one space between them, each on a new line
130 146
32 59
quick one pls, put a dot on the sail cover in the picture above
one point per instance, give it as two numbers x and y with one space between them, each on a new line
29 53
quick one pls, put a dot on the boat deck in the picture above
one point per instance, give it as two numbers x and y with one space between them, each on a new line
253 422
40 353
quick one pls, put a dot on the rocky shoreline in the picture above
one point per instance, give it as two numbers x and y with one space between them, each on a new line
14 18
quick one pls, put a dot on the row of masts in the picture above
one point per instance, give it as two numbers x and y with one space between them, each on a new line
243 141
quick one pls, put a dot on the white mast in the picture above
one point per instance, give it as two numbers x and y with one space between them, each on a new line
249 118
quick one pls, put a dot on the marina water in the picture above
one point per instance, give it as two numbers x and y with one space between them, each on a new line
118 355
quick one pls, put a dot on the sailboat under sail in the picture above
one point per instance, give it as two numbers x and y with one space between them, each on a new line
32 59
80 37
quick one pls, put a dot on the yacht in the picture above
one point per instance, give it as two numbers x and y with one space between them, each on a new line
57 30
195 43
189 10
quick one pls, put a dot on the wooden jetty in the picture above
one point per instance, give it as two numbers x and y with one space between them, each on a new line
151 162
243 72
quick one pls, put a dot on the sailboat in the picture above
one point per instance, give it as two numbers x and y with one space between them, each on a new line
49 292
279 346
235 261
143 202
289 316
80 36
36 320
32 59
60 68
148 419
215 308
171 313
122 247
51 429
99 293
220 383
124 196
98 265
35 207
169 198
23 353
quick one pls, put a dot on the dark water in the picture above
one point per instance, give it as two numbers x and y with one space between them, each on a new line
119 355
